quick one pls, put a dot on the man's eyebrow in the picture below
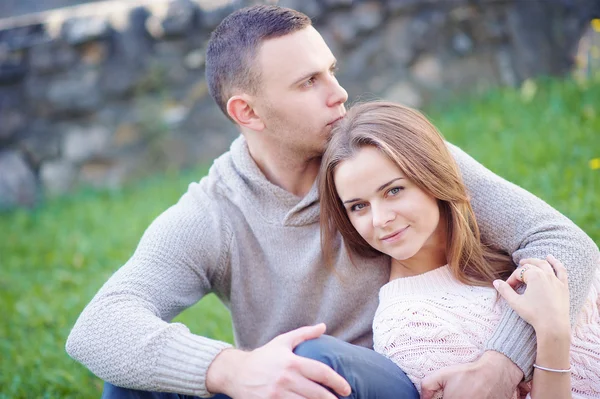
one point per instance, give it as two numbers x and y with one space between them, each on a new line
379 189
311 74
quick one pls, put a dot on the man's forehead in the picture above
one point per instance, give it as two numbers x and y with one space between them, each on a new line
293 55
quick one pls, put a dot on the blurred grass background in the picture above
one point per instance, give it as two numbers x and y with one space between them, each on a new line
544 136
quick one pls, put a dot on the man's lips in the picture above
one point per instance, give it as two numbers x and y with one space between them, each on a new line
392 236
335 120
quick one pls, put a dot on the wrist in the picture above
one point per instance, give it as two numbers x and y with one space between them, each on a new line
553 348
496 359
553 333
221 372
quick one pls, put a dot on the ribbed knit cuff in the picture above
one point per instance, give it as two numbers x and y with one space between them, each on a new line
184 362
515 338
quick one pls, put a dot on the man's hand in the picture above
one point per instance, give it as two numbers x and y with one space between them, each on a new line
273 370
492 376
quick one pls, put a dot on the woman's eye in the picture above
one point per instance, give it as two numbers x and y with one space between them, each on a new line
395 190
357 207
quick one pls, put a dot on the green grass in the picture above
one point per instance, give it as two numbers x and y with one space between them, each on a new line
543 143
53 259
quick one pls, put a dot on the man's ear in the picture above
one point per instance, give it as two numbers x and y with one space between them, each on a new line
240 109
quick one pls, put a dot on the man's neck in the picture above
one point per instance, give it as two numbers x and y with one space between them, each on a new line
295 174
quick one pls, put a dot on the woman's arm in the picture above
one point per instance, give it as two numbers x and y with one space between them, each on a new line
544 305
553 353
524 226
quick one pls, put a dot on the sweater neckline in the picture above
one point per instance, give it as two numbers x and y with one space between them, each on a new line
277 204
440 279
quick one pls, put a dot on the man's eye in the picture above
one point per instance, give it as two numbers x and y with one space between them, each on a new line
309 82
334 70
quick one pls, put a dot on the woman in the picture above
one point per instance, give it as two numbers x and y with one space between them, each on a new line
389 185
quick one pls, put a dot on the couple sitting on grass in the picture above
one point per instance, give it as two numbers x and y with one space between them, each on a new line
356 221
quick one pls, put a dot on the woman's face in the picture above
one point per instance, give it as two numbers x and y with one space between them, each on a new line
391 213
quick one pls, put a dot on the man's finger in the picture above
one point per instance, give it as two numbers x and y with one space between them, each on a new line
299 335
293 395
324 375
507 292
432 383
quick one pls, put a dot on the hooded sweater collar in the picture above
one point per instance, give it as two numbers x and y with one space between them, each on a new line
242 176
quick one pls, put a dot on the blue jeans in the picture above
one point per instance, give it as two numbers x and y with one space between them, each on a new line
369 374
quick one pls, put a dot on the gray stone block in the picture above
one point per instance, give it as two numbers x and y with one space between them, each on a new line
180 17
82 30
12 67
40 142
18 185
75 93
12 113
57 177
312 8
81 143
51 57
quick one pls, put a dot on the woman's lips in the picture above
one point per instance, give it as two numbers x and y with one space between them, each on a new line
394 236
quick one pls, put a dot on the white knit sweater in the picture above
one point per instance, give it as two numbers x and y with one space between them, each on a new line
430 321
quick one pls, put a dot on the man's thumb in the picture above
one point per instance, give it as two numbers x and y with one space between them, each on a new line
299 335
507 292
431 384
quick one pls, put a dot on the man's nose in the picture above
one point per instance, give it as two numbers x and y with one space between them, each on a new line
338 94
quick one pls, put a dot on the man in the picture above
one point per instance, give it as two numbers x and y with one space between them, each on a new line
249 232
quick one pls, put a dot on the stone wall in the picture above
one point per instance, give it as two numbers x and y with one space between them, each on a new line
12 8
105 92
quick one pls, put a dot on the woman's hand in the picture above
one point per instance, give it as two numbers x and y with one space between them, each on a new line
545 302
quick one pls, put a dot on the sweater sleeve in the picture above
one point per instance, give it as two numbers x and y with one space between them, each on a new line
125 336
523 225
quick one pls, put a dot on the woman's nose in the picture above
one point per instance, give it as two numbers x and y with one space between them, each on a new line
382 216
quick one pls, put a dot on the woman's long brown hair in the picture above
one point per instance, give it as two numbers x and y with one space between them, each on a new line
407 138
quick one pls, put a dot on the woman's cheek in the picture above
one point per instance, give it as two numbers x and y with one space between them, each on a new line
362 226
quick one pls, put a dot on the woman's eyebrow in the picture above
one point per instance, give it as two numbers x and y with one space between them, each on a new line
352 200
378 190
388 183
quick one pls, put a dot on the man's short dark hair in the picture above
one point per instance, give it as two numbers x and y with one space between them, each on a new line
234 44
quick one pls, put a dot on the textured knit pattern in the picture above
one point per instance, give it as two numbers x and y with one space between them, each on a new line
431 321
257 247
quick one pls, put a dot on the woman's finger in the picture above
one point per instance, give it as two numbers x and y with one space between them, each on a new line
561 271
521 273
540 263
513 279
528 273
508 293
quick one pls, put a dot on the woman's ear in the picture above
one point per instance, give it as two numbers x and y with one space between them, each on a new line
240 109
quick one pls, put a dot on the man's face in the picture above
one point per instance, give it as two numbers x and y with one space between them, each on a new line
299 97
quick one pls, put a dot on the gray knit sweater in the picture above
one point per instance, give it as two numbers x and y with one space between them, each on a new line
257 247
